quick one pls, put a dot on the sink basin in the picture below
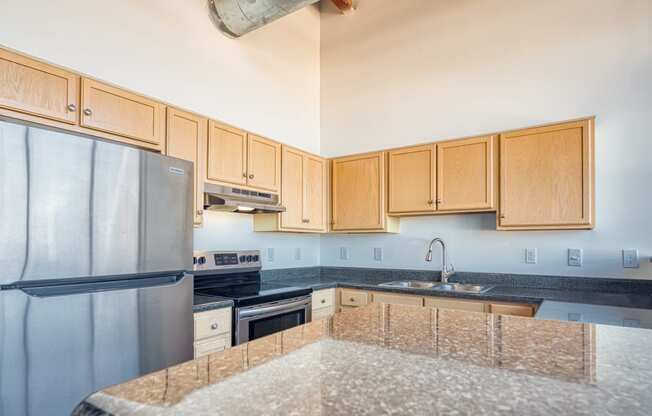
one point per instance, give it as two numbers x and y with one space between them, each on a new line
439 286
461 288
411 284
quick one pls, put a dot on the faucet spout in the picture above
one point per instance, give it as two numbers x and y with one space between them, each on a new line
447 270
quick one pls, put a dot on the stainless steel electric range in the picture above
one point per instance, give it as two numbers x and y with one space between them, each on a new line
260 308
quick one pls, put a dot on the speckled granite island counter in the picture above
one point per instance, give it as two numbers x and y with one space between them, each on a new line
391 359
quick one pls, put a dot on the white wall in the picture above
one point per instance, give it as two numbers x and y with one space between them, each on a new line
266 82
397 74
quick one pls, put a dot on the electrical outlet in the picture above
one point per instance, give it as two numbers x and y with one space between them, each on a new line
378 253
345 253
575 257
270 254
297 253
630 258
531 255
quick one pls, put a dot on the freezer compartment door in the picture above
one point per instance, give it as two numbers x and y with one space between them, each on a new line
73 207
57 349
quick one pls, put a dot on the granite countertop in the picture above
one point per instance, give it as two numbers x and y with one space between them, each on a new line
395 359
513 288
209 303
497 293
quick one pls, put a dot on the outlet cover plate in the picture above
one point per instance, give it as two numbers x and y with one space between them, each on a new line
345 253
531 256
378 253
575 257
630 258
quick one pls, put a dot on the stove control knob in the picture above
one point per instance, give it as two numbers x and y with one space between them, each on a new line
242 259
256 258
194 260
248 259
201 260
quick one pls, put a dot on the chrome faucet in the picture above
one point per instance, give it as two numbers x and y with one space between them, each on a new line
447 270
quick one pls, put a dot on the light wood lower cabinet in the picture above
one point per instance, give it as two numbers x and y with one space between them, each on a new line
461 305
186 136
124 114
32 87
358 194
547 177
303 194
354 298
212 331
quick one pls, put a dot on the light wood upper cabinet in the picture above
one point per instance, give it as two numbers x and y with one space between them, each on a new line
292 195
35 88
303 194
226 154
186 135
112 110
358 194
412 179
547 177
467 173
264 164
315 180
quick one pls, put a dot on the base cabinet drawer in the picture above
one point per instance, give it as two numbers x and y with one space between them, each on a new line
353 298
323 298
393 299
211 323
514 310
461 305
212 345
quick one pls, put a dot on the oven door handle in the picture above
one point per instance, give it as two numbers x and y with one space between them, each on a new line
264 310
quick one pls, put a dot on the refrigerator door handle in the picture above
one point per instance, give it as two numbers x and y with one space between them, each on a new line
102 286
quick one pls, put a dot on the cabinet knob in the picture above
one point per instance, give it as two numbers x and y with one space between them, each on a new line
251 176
352 299
71 107
430 202
244 174
502 216
87 112
323 301
438 201
214 327
305 221
200 212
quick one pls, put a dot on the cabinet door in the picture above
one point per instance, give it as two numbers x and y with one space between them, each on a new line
546 177
112 110
226 154
412 179
186 134
393 299
466 174
460 305
314 192
359 192
292 189
264 164
35 88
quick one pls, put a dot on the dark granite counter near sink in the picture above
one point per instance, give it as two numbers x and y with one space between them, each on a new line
628 293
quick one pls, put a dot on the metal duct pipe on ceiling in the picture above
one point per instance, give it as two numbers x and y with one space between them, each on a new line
237 17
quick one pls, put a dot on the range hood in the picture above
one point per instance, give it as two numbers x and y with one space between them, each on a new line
228 199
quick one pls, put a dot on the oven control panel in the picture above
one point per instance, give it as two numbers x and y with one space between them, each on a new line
224 260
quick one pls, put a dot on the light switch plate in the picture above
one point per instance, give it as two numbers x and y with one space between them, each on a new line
270 254
575 257
297 253
531 255
630 258
378 253
345 253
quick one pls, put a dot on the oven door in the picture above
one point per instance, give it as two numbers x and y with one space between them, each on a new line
261 320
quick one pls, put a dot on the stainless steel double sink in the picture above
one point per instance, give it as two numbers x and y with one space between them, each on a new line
439 286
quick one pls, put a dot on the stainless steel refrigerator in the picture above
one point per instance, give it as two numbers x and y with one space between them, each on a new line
95 239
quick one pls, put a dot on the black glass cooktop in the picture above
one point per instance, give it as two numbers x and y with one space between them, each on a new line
246 289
